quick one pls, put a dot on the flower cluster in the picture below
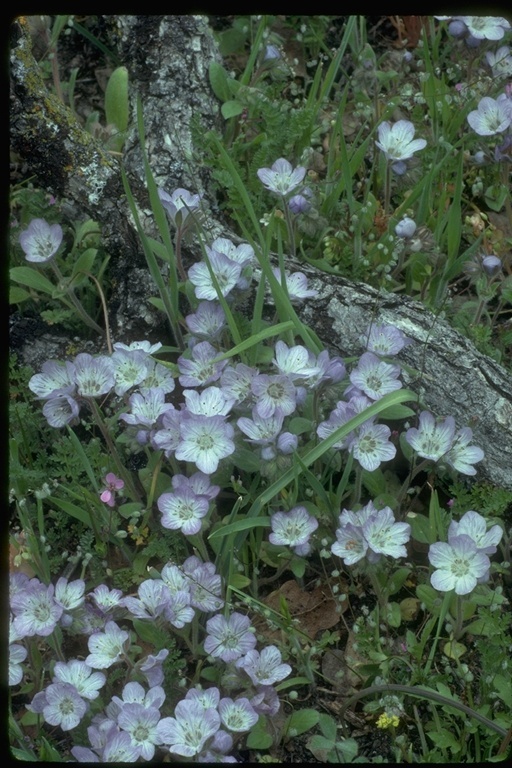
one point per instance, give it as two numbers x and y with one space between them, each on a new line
370 532
436 440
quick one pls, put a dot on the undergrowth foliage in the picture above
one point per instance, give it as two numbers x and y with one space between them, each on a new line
221 549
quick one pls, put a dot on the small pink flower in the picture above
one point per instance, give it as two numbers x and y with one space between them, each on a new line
108 495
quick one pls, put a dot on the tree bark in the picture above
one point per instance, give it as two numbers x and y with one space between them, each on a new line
168 59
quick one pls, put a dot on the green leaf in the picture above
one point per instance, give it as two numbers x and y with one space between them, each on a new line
72 510
428 595
149 632
300 721
328 726
397 580
397 412
240 525
218 81
298 567
116 99
454 650
259 737
31 278
17 295
84 262
231 108
495 196
321 747
420 528
393 614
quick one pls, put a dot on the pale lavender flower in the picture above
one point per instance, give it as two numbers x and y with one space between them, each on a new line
274 394
259 430
460 564
146 408
491 117
475 526
236 382
93 376
485 27
179 610
287 443
175 578
293 528
41 241
179 204
385 536
212 401
462 455
242 254
221 743
183 511
338 417
299 204
145 346
205 588
271 53
153 599
17 654
237 715
371 446
374 377
432 439
69 594
229 639
198 483
35 610
397 142
61 410
385 340
205 441
114 484
151 667
106 647
201 369
208 320
492 265
187 732
265 668
120 749
281 178
134 693
63 706
130 368
157 377
350 544
208 699
80 675
296 285
295 362
266 701
141 723
500 61
331 370
106 599
227 273
55 379
167 439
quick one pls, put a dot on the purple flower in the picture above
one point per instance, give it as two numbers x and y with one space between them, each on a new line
475 526
151 667
275 395
491 117
397 141
375 377
385 340
205 586
460 564
259 430
210 402
183 511
131 367
41 241
350 544
63 706
201 370
93 376
370 532
81 676
462 455
296 285
229 639
208 699
293 528
205 441
108 494
299 204
265 668
371 446
208 320
60 411
154 597
17 654
296 362
35 610
179 205
198 483
237 716
281 178
431 439
56 379
187 732
69 594
227 273
141 723
179 610
106 599
106 647
146 408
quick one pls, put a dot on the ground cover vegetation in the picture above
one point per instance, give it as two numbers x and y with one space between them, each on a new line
237 546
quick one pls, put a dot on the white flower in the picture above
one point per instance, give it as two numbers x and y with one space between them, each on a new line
459 565
282 178
475 526
397 141
492 116
485 27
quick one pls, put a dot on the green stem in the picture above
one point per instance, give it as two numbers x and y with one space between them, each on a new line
290 227
76 303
